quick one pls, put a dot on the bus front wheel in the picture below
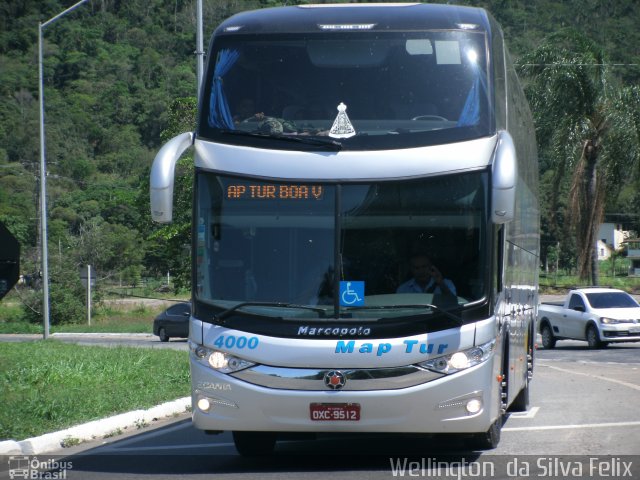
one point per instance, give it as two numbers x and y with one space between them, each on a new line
254 444
490 439
521 402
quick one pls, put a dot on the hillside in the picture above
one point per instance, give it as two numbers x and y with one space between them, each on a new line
120 77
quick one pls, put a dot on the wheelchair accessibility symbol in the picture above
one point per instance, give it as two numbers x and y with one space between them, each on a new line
352 294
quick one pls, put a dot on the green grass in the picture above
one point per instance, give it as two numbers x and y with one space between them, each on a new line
550 283
48 385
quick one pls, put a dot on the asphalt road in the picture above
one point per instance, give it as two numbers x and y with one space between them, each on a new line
583 423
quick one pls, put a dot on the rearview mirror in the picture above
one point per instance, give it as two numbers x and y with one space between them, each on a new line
504 180
162 177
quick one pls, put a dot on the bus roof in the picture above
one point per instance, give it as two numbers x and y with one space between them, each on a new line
349 17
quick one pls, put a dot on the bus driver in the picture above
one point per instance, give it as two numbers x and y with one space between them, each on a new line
426 278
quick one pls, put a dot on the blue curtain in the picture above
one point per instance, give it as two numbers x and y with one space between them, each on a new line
471 112
219 114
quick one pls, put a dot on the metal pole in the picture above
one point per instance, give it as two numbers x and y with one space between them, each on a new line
71 8
199 46
43 197
43 177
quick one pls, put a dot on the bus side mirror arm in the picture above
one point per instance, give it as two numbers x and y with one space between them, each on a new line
504 180
162 176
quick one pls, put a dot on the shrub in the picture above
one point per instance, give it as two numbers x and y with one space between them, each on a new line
67 299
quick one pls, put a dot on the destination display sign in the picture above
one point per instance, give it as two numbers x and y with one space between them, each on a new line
243 191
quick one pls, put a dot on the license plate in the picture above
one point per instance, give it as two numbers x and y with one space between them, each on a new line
332 412
634 330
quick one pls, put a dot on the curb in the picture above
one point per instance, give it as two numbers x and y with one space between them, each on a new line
51 442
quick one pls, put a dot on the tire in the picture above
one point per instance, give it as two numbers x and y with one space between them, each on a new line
162 333
490 439
593 337
521 402
548 340
254 444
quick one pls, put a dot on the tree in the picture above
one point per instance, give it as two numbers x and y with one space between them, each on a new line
168 244
110 249
586 133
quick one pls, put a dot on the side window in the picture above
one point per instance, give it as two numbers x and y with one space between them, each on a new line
576 301
499 79
180 309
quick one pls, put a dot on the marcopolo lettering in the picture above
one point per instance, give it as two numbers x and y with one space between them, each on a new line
333 331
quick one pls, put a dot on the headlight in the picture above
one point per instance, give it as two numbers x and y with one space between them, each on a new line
222 362
462 360
611 321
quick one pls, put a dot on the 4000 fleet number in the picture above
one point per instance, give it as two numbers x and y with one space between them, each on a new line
231 341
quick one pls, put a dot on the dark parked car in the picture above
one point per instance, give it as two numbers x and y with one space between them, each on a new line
173 322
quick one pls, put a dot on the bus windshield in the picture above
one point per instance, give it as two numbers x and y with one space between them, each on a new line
312 250
359 90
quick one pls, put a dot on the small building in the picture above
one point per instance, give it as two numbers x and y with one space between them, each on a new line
633 254
610 240
604 250
613 235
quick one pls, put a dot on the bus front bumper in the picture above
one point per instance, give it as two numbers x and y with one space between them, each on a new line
465 402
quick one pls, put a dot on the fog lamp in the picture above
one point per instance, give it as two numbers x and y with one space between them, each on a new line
474 405
204 405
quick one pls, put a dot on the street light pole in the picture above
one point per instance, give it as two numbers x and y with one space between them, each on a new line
199 46
43 176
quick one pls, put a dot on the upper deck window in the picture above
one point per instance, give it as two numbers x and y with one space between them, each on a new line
361 90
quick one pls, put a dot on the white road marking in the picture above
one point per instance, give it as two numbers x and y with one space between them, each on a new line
566 427
597 377
528 414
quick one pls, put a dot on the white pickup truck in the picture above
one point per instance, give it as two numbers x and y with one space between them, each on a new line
597 315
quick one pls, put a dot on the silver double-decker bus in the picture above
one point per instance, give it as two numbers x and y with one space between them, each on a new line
365 225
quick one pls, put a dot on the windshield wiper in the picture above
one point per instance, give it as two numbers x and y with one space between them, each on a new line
308 140
219 318
304 139
445 312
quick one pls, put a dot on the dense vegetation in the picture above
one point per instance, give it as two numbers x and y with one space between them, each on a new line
120 78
